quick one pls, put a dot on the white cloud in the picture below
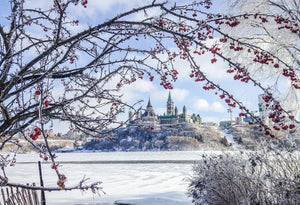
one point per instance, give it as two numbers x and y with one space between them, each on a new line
107 7
137 90
159 96
210 119
150 13
177 94
215 71
38 4
160 110
218 107
141 85
203 105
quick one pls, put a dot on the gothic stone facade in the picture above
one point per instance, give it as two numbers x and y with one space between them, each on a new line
170 117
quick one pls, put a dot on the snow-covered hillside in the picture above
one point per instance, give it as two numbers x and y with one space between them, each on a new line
159 137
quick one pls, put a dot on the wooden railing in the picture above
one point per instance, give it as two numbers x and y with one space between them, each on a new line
19 196
26 195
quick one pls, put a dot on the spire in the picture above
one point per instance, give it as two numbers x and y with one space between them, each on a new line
170 105
169 99
149 103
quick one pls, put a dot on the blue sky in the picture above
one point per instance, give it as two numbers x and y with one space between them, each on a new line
186 91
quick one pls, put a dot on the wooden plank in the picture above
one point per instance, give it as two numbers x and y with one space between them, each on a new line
24 196
29 196
43 198
35 196
14 199
14 196
3 196
10 195
10 202
7 193
19 198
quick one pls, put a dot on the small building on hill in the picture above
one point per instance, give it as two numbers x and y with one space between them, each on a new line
149 115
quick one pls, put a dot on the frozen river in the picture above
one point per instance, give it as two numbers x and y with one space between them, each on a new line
138 177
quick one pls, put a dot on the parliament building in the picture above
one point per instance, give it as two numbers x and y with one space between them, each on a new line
170 117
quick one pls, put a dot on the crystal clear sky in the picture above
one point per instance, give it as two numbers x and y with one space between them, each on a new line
186 92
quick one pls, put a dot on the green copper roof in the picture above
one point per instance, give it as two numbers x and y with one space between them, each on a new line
169 99
167 117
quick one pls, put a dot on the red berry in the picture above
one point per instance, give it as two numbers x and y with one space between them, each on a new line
46 158
292 126
46 103
213 60
36 129
37 92
35 137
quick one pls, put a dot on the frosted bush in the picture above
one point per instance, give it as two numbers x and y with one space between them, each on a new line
159 143
258 177
182 143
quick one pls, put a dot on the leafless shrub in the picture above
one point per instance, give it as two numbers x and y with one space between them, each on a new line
259 177
182 143
159 143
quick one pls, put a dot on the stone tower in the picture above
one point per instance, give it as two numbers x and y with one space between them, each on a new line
130 115
170 105
184 113
176 111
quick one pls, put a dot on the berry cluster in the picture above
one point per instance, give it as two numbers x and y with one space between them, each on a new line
36 134
83 2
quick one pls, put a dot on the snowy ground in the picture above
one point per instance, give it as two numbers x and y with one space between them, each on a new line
229 138
126 180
